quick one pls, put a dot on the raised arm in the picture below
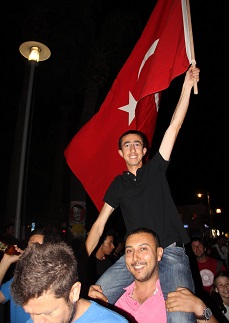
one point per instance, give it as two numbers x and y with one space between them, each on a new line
168 141
97 228
5 263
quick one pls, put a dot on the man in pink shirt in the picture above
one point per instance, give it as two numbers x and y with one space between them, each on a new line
143 300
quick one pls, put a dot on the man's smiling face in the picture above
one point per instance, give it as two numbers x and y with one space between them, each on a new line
132 150
142 255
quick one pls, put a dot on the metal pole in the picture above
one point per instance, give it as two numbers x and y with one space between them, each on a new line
210 214
23 150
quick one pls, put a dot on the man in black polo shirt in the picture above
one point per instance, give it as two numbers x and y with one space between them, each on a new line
143 194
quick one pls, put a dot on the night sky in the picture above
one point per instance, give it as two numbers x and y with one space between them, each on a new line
80 34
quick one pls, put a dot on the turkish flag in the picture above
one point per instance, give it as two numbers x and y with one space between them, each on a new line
133 100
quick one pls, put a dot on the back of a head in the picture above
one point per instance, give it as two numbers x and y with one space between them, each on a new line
44 267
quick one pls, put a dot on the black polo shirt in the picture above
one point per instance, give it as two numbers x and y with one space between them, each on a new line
145 201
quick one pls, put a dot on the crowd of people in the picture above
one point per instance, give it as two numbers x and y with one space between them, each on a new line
149 277
32 293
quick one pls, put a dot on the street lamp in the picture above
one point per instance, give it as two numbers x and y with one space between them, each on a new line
34 52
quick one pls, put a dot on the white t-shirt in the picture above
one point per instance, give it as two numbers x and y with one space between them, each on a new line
227 314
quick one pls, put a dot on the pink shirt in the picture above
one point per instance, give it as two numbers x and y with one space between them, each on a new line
152 310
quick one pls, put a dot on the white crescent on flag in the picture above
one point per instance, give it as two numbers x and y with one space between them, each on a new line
131 106
147 55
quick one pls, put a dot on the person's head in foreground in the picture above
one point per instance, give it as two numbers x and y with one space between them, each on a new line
143 253
46 282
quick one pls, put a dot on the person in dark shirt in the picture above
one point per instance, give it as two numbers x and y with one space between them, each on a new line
99 261
145 200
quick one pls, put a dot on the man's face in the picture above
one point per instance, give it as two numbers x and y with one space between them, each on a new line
142 256
49 309
108 245
36 238
132 155
198 249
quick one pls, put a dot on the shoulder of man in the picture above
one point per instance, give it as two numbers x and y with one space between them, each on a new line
109 314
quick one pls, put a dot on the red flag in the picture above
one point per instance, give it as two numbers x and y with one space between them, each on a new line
133 100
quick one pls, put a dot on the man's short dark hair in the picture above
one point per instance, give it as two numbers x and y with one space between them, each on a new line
50 234
44 267
145 230
134 132
200 240
106 233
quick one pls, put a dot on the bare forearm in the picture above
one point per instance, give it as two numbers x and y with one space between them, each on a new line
97 228
5 263
191 77
198 310
172 131
183 300
182 107
4 266
96 292
179 114
92 239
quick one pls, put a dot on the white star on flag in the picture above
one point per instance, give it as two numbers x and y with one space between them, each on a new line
130 108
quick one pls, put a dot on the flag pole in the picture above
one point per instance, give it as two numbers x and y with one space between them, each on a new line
193 61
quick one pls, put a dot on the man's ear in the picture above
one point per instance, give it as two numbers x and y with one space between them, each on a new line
120 152
144 151
75 292
159 253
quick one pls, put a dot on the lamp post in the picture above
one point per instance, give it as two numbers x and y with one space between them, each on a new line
210 211
34 52
200 195
208 199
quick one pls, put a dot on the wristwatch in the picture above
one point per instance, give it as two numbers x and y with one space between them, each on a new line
207 314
